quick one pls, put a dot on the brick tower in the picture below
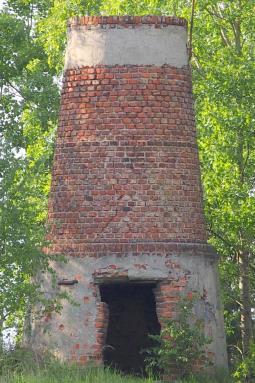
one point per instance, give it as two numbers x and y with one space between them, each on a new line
126 203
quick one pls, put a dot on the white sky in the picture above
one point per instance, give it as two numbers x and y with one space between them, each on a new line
1 3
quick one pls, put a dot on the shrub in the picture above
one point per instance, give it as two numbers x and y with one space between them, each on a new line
180 344
245 371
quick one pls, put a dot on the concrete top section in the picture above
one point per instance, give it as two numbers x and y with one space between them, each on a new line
126 40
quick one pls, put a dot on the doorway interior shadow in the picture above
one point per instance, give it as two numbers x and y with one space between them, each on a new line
132 317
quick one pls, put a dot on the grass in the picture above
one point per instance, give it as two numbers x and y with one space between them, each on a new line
65 374
70 375
90 376
22 367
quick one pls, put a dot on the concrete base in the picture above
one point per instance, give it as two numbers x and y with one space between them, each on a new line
78 332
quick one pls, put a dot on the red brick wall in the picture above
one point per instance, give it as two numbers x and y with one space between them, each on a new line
127 21
126 164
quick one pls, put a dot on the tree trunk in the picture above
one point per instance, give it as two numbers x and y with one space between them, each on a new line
244 285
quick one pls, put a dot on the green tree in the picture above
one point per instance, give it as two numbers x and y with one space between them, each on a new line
28 110
224 84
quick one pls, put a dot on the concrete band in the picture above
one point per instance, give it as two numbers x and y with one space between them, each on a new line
143 45
98 250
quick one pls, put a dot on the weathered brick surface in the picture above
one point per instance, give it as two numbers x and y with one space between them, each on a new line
126 164
127 21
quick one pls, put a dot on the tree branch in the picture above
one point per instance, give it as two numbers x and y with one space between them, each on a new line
224 38
219 236
16 89
235 346
191 27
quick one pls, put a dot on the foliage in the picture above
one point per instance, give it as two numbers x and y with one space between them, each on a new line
181 343
145 7
223 78
245 371
52 29
28 111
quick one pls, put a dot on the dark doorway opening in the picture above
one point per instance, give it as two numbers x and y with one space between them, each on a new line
132 317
